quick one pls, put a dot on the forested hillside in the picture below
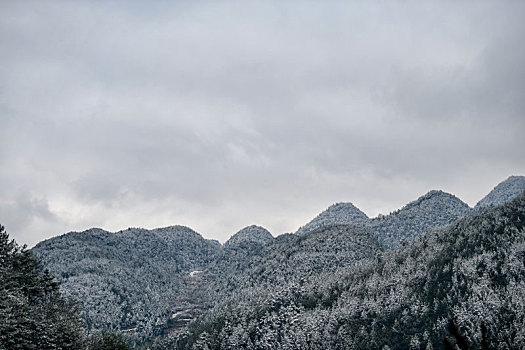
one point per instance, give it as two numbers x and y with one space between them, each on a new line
472 271
336 214
249 235
430 211
434 209
343 280
292 263
132 280
290 258
503 192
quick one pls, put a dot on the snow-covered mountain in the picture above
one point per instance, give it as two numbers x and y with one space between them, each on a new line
471 271
151 282
336 214
130 280
503 192
250 234
430 211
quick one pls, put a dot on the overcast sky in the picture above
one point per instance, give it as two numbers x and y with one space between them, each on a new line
217 115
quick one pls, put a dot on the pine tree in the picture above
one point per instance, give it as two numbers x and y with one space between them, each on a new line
108 341
33 314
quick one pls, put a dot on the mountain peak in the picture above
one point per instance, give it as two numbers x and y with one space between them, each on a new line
503 192
338 213
252 233
432 210
433 196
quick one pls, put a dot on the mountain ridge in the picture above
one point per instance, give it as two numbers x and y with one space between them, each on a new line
140 280
432 210
130 279
436 208
503 192
338 213
471 271
250 234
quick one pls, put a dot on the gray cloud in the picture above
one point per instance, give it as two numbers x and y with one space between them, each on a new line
26 213
219 115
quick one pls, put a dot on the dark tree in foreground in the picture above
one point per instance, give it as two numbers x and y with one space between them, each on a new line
108 341
33 314
460 340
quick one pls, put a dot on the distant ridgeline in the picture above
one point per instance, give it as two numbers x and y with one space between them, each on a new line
337 283
434 209
472 271
503 192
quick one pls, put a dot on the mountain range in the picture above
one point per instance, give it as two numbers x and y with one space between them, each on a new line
470 273
434 209
170 287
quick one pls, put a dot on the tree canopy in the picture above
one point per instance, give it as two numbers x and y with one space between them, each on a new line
33 314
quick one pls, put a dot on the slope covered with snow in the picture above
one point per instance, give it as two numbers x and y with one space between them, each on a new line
250 234
430 211
503 192
336 214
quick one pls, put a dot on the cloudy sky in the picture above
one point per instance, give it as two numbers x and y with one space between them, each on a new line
217 115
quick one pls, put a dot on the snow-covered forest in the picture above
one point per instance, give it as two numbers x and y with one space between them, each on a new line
342 281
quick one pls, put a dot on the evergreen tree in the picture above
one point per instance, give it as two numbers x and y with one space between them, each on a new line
33 314
108 341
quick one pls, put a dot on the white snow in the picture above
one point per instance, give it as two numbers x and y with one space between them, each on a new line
194 273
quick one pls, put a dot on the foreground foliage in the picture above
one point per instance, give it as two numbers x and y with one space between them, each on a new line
33 314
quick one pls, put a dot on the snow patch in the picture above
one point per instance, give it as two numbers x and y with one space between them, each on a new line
195 273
